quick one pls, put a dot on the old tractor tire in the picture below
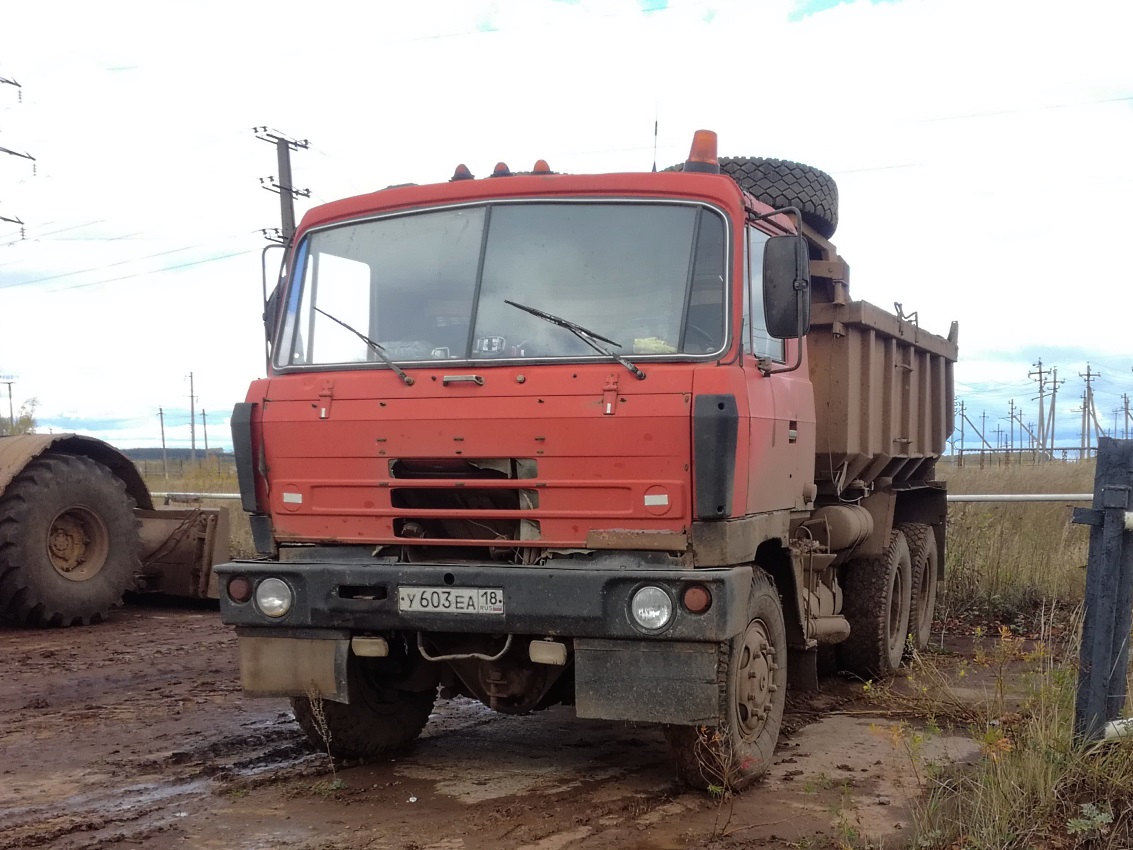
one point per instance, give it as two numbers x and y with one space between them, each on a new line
926 574
752 682
876 594
782 183
69 544
379 720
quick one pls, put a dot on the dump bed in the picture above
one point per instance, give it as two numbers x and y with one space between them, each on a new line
883 392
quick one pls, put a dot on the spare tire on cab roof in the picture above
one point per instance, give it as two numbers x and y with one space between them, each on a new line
782 183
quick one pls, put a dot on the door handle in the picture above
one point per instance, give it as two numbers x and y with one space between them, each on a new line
462 379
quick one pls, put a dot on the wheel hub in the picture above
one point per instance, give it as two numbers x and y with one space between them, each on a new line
755 679
77 543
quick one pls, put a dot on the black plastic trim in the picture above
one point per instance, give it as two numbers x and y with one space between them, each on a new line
715 432
564 601
245 459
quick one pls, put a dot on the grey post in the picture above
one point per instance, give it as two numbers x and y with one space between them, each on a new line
1104 657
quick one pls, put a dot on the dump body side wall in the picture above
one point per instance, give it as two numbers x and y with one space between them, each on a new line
883 392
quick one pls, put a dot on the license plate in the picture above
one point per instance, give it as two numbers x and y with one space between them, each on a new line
451 600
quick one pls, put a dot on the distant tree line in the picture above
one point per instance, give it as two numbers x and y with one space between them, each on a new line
179 454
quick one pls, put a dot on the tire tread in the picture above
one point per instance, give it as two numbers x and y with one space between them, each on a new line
865 591
25 597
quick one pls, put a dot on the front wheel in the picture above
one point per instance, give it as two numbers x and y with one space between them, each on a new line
752 682
379 720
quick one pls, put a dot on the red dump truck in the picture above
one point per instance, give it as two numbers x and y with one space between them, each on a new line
78 528
617 441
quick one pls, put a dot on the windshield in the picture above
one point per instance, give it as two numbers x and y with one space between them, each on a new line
435 286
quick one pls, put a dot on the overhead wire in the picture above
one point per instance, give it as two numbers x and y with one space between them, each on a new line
60 275
162 270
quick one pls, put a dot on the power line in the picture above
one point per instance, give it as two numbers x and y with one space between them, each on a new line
155 271
101 267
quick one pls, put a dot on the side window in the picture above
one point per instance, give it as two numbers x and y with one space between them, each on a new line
704 322
759 342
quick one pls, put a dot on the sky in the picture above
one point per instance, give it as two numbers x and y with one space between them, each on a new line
981 149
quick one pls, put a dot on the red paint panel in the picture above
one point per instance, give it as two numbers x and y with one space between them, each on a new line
593 468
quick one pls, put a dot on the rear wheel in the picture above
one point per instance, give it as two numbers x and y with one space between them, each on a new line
876 601
926 574
69 544
379 720
752 682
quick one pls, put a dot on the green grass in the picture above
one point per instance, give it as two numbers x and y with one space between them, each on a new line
1033 786
1004 559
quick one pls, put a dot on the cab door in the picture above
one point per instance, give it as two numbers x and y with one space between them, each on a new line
781 410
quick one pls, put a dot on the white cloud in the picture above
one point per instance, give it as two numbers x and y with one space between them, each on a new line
984 178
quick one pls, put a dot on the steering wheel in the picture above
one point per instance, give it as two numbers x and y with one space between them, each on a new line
707 340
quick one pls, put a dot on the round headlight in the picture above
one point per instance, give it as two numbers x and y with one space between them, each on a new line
652 608
273 597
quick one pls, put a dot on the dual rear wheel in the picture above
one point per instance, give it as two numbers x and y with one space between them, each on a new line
889 601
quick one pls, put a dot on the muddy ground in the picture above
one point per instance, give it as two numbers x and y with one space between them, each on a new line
134 734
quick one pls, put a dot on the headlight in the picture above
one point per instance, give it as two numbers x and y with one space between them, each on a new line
652 608
273 597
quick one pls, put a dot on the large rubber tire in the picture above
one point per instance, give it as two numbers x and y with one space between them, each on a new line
69 544
926 574
876 594
782 183
752 683
379 720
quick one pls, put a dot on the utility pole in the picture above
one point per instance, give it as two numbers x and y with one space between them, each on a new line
1125 421
9 380
1011 423
1041 375
205 429
979 432
16 221
192 420
1087 409
1083 436
287 192
1051 431
1029 431
164 457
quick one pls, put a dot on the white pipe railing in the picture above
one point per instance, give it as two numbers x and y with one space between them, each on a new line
1021 497
952 497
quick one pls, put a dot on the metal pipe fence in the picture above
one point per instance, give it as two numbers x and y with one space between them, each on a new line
952 497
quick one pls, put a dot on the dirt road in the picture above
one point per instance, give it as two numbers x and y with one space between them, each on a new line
134 734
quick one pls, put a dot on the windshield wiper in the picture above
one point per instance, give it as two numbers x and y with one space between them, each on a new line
378 350
588 336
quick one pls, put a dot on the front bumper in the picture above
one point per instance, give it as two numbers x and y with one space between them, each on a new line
575 601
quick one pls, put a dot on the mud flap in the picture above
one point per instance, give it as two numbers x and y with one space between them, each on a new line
646 681
295 667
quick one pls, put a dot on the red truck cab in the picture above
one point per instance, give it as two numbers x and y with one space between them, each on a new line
536 438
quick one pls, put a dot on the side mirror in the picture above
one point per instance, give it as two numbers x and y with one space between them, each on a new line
786 286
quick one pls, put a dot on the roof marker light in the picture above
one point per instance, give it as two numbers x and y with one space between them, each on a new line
702 155
462 173
541 167
501 170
